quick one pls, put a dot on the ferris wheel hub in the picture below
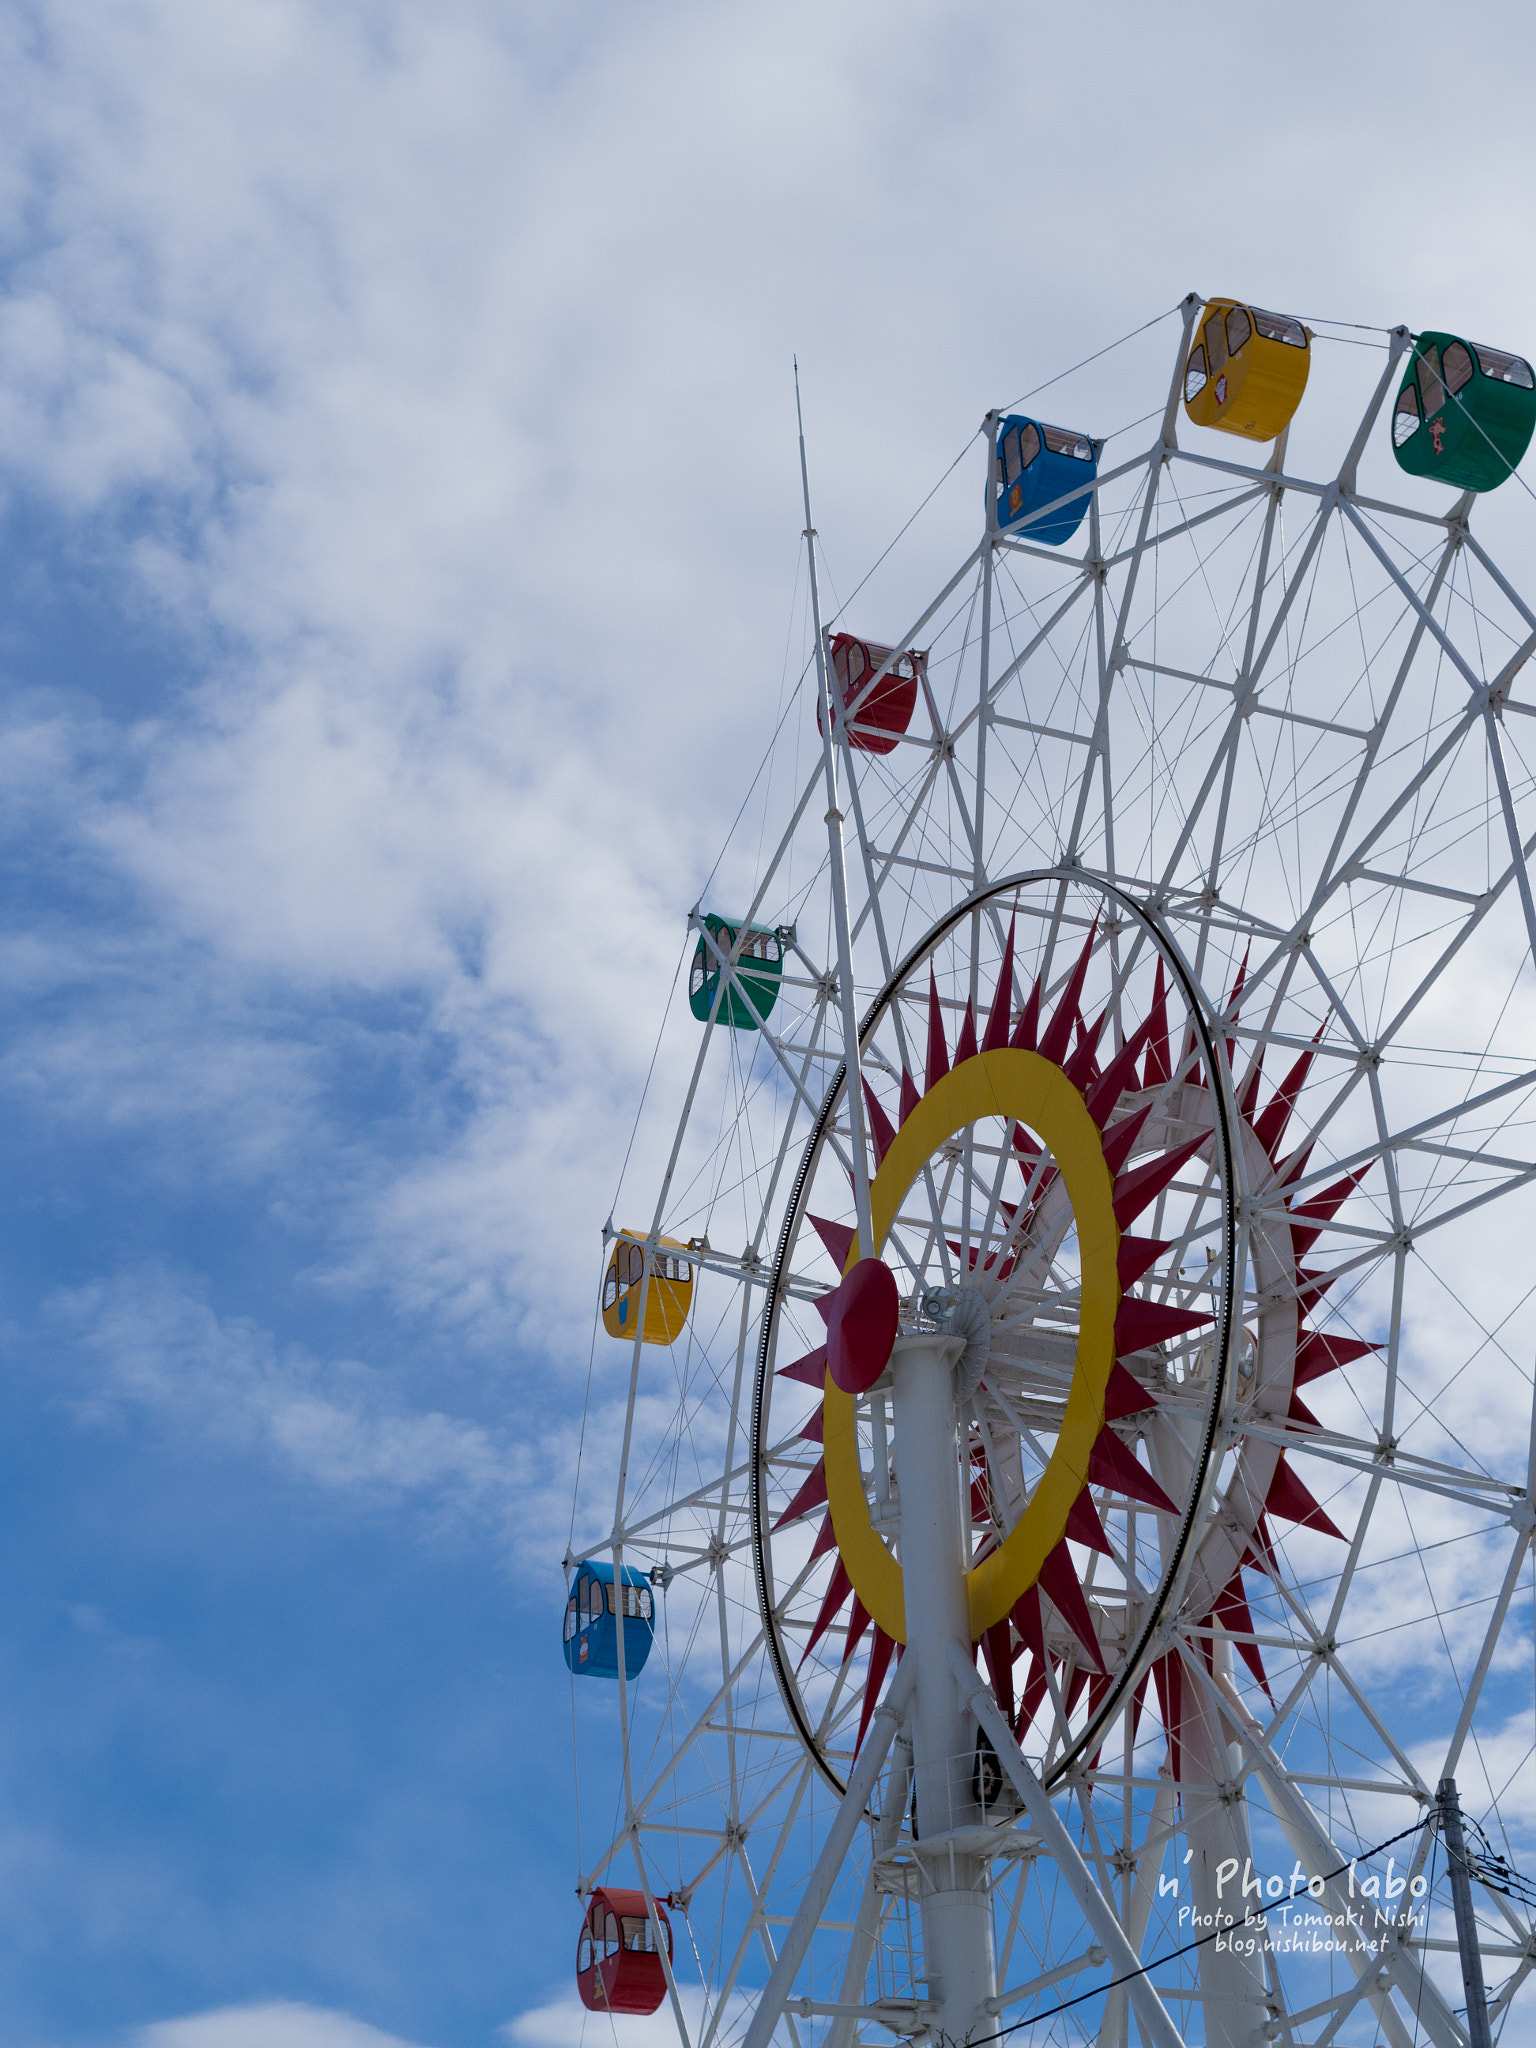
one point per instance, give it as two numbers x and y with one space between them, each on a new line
964 1312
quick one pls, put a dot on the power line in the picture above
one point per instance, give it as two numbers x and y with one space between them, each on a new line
1201 1941
1494 1871
1060 374
943 480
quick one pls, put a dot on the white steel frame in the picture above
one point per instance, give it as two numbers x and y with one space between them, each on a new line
1393 845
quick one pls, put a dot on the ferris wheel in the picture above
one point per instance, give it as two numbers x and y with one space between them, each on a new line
1067 1519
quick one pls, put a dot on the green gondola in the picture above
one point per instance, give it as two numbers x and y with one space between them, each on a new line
754 989
1464 413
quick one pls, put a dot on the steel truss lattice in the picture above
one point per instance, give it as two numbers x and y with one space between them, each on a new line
1269 727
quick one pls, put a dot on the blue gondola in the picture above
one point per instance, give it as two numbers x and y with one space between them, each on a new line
1036 465
592 1622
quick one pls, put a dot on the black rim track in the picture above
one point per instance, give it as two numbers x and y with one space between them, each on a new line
1214 1052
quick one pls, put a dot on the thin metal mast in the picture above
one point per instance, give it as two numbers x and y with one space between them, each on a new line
855 1095
1466 1924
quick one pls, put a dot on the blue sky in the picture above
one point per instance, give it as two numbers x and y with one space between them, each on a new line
399 504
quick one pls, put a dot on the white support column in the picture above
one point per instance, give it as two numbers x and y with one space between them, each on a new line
1157 2028
957 1900
1216 1825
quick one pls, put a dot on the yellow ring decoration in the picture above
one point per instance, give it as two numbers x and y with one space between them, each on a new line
1028 1089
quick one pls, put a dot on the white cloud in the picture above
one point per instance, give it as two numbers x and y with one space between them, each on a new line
564 2022
425 375
277 2024
452 356
1495 1774
153 1343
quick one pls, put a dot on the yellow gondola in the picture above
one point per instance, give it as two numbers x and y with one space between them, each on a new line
668 1296
1247 370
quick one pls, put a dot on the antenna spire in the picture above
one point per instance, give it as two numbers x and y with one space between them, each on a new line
853 1093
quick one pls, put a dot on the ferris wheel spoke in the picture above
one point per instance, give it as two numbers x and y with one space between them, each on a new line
893 857
1423 1475
731 1837
1223 761
1376 738
1419 782
1505 589
1463 933
1193 521
1243 684
1329 1660
1014 667
1517 850
1472 1693
867 859
1217 465
648 1798
1425 615
1109 666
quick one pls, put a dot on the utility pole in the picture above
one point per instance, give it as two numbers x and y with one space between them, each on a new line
1448 1806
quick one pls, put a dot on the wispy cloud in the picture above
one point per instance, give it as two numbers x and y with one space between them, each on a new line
1495 1775
564 2022
149 1342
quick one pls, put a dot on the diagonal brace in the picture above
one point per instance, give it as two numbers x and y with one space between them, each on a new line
1157 2028
813 1899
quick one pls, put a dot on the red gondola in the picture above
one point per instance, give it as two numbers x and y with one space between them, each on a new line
884 715
618 1966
